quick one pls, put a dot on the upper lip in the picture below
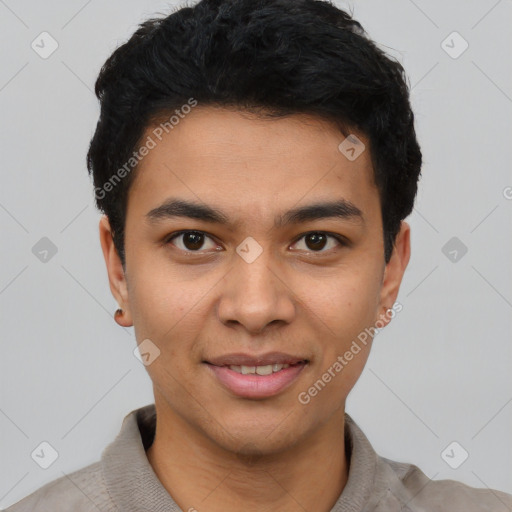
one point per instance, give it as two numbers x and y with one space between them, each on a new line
240 359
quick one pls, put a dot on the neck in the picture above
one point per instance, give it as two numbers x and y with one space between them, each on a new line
200 475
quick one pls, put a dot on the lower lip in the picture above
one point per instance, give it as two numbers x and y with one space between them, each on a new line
256 386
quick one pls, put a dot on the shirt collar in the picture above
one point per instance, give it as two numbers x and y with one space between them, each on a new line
134 486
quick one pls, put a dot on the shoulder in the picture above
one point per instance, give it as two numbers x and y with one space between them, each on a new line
81 491
414 491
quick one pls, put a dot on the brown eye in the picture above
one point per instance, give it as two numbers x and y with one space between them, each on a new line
316 241
191 241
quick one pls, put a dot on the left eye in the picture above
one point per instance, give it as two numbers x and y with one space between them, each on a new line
318 240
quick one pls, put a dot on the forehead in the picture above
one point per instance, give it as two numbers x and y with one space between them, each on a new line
237 159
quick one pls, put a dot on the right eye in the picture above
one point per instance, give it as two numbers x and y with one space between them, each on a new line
188 241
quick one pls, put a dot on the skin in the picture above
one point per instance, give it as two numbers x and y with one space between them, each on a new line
213 450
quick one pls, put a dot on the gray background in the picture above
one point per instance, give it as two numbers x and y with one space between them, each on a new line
440 372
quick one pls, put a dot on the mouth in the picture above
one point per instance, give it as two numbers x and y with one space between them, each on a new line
256 377
266 369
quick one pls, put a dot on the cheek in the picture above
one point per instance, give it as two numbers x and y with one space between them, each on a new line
160 302
345 310
345 304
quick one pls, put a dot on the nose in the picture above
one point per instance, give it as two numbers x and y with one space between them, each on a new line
256 295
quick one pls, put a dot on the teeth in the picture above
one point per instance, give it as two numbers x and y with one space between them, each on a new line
264 370
258 370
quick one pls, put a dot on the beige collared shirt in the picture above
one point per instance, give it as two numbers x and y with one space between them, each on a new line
124 481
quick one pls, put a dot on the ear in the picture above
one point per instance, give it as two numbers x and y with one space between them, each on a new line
394 272
116 275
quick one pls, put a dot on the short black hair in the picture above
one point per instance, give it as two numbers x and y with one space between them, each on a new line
272 57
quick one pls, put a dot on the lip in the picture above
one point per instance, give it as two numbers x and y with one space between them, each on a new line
240 359
256 386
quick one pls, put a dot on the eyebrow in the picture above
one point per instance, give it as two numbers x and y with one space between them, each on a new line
341 209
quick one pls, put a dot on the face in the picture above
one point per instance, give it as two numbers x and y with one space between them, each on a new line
253 243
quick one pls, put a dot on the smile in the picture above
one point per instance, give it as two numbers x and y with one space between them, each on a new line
259 370
257 381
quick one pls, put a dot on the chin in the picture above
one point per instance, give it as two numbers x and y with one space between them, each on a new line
252 437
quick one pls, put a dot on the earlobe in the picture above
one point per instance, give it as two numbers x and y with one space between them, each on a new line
115 271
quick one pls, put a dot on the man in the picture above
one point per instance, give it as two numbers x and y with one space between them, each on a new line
255 162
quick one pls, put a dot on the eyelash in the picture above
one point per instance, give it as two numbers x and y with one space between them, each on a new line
340 239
